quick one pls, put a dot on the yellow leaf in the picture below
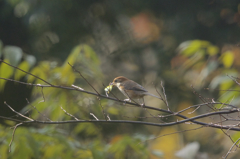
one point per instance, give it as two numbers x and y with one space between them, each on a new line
227 59
167 144
212 50
193 47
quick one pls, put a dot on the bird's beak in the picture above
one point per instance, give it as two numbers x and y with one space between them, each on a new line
112 84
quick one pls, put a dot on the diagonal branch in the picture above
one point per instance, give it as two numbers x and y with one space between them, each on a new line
18 112
83 78
13 134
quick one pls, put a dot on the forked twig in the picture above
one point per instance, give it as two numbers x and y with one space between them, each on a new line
17 112
104 114
69 114
94 116
13 134
165 96
38 111
83 78
229 151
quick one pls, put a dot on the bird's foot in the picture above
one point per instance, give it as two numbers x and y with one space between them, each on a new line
143 105
126 100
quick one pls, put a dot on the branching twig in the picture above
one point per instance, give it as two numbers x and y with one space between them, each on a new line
165 96
229 151
42 94
79 88
175 133
15 127
234 79
17 112
38 111
83 78
69 114
95 116
104 114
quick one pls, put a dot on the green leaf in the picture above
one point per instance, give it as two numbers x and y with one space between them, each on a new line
5 72
83 55
227 97
19 74
37 71
189 48
90 54
72 58
235 137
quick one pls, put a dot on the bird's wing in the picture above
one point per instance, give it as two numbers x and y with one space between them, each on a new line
138 87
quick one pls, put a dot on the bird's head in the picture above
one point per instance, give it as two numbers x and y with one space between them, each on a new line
118 80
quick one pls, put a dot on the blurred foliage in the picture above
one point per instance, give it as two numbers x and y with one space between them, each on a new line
104 39
213 67
14 56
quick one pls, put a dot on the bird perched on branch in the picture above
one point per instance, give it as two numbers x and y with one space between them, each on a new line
131 89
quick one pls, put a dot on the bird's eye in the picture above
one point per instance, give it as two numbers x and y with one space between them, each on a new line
115 81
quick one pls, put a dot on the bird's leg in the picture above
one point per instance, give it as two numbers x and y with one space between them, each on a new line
143 104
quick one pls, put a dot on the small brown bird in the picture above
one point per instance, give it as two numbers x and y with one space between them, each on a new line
131 89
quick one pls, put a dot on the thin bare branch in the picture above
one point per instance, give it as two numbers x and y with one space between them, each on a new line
165 96
104 114
234 79
42 94
79 88
229 151
94 116
175 133
17 112
83 78
108 118
37 110
69 114
13 134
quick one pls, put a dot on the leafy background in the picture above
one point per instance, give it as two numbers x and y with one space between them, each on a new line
181 43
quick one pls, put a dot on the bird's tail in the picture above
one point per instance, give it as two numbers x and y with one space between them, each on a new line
153 95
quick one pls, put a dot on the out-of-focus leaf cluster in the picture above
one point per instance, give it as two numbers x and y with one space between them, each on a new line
204 61
16 57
